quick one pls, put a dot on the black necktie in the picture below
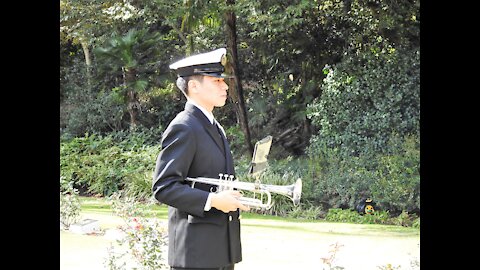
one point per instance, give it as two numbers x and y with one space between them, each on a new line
217 126
229 169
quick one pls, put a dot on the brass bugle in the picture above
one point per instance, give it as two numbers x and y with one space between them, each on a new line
226 182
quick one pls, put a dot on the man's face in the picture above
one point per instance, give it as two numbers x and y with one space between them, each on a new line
210 92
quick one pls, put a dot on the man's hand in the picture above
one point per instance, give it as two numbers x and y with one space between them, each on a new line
227 201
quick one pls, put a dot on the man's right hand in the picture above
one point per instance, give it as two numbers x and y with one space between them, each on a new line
227 201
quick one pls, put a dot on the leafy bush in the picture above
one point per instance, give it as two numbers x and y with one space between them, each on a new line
365 100
306 211
90 112
407 220
332 181
236 139
392 180
416 223
105 164
351 216
397 177
378 217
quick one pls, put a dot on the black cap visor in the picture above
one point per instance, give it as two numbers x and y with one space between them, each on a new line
218 75
212 69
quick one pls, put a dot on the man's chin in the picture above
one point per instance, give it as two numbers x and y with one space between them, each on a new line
221 104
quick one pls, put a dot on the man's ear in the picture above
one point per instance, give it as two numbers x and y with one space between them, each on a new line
192 86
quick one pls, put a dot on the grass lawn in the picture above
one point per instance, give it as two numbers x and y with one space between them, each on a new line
269 243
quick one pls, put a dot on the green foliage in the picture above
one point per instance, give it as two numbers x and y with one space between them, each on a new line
106 164
287 44
368 139
378 217
237 140
282 49
397 177
122 53
94 113
300 33
135 38
392 180
306 211
351 216
407 220
333 181
161 106
366 100
416 223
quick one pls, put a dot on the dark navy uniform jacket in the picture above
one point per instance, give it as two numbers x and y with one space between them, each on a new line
193 147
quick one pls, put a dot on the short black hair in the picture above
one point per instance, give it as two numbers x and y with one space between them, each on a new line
182 82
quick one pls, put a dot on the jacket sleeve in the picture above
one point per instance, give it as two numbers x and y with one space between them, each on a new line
171 169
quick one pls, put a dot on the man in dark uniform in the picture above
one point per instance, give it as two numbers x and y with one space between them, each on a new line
203 226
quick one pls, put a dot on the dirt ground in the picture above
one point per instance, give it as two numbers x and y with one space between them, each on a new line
295 245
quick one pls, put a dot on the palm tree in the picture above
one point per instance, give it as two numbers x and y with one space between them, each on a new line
123 54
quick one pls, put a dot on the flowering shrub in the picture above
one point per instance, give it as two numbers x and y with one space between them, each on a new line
330 258
69 204
143 241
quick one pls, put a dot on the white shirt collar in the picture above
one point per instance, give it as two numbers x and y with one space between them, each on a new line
207 113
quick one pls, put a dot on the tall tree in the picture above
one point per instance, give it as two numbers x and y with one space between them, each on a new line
76 26
232 67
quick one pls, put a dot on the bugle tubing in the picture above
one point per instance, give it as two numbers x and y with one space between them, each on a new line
293 191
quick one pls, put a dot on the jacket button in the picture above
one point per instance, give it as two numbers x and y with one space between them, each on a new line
230 218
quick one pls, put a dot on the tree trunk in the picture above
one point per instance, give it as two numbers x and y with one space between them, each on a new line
132 108
88 61
235 83
132 100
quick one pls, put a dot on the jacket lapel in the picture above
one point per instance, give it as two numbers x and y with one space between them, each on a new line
211 129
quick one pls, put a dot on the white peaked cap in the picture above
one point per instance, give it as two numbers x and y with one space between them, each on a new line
200 59
208 64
